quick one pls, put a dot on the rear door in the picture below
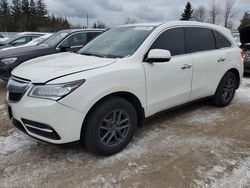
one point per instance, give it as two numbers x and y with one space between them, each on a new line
168 84
209 60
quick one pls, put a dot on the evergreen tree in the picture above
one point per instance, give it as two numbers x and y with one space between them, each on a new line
33 16
41 9
4 15
16 12
29 15
32 8
245 21
188 12
16 8
25 7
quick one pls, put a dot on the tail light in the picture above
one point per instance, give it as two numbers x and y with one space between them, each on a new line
243 55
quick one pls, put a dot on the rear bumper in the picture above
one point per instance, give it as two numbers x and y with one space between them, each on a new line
247 65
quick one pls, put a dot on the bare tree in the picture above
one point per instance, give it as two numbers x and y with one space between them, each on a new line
214 11
200 14
229 12
129 20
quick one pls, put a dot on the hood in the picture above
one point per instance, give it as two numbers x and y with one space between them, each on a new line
245 35
15 52
44 69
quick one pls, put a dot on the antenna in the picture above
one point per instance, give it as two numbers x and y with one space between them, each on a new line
87 21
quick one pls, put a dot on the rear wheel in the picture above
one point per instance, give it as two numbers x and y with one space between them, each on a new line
226 90
110 126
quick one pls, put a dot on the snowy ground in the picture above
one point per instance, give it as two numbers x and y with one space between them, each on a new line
198 146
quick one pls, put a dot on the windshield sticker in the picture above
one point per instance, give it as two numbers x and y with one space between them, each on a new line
144 28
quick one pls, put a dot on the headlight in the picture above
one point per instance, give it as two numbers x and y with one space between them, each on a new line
9 60
54 91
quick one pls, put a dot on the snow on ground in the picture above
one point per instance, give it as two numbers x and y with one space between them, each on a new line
218 176
2 107
246 80
14 142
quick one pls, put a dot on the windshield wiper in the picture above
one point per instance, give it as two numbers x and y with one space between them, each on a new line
91 54
112 56
99 55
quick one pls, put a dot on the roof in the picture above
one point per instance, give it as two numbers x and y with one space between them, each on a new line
175 23
182 23
76 30
34 33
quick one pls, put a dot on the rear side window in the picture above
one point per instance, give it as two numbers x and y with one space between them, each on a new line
172 40
199 39
221 41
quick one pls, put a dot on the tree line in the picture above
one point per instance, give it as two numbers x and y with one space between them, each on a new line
218 12
29 15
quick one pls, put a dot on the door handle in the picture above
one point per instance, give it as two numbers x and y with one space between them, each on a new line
186 66
221 59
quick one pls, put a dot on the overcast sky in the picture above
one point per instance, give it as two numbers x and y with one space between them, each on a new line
114 12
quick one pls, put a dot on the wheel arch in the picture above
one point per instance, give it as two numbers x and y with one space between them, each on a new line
237 74
133 99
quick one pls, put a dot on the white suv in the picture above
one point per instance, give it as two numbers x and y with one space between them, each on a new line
102 93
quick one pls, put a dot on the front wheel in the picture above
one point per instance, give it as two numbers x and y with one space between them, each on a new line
226 90
110 126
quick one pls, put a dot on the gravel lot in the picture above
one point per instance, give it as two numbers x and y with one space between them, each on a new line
198 146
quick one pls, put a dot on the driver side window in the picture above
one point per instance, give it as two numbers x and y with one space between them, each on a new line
172 40
78 39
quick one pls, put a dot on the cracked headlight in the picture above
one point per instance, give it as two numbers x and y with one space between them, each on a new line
54 91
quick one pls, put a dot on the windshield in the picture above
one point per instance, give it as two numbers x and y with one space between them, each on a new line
55 39
117 42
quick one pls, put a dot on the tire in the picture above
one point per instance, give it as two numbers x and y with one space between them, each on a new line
110 126
226 90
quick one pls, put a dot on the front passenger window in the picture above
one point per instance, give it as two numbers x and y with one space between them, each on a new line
172 40
78 39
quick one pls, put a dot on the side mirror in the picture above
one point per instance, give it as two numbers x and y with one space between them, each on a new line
158 56
65 47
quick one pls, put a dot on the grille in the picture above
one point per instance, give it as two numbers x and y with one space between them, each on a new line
16 88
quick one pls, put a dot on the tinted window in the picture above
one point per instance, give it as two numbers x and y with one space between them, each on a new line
172 40
35 36
221 41
78 39
92 35
199 39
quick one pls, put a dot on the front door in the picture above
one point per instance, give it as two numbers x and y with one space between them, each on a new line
168 84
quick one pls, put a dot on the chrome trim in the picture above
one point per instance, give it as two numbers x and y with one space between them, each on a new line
40 129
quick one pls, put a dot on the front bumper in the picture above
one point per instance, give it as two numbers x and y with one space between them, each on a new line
33 115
